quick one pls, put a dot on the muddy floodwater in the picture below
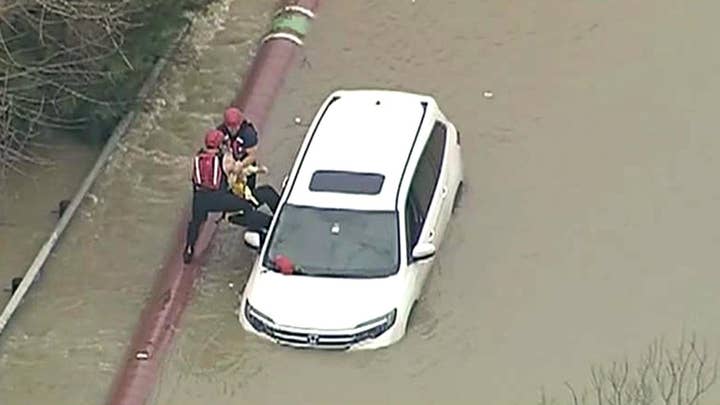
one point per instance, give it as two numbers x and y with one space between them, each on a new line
29 201
587 229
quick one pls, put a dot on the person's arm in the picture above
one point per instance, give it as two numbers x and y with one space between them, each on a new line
250 158
225 147
229 164
250 139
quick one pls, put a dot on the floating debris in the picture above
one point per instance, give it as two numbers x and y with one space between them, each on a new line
62 207
142 355
93 197
14 284
298 120
488 94
231 285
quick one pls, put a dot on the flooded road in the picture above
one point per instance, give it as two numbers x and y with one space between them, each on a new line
588 227
67 339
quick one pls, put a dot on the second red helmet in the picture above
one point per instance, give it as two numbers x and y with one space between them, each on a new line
233 117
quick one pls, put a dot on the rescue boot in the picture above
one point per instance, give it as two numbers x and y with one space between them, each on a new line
254 238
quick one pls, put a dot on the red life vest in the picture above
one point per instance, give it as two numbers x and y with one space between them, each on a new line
207 170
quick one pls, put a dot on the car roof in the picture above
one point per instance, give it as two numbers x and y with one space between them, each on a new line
361 131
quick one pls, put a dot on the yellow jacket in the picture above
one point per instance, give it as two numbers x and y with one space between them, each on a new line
238 183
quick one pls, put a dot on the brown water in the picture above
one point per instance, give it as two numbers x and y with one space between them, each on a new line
29 202
65 342
587 227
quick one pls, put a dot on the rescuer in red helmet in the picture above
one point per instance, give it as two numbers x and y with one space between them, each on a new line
241 138
211 191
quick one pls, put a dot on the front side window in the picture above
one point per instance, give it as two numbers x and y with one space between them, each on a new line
413 223
336 242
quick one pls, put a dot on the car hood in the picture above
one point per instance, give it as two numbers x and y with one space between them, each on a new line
323 303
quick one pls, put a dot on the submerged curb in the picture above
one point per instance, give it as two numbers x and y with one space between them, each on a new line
173 287
119 132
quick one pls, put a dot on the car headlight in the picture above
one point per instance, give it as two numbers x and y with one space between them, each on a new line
376 327
257 319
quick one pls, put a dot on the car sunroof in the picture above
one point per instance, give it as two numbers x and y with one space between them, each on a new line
346 182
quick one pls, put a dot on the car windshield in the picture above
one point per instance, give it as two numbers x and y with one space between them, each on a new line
336 243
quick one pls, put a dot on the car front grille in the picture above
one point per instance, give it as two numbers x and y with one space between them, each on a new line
312 339
327 341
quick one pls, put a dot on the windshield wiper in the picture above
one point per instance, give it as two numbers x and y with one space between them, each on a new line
332 275
323 272
269 267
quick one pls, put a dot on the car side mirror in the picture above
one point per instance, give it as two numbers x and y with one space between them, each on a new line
423 251
252 240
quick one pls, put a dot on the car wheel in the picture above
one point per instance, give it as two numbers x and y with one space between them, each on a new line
458 196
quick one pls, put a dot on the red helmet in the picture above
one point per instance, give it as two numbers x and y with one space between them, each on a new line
284 264
233 117
214 138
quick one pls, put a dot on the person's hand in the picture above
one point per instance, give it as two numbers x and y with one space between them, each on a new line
238 167
250 169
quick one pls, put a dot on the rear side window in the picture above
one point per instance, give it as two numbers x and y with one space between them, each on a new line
346 182
435 149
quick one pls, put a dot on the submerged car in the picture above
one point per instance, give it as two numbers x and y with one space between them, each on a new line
362 213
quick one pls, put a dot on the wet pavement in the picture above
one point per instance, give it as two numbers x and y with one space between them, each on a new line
586 229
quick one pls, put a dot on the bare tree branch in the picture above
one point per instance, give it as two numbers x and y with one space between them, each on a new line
682 376
51 52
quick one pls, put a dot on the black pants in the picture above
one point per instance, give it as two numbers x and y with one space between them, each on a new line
251 179
265 195
205 202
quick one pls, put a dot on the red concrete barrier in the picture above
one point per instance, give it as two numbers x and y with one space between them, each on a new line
173 287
